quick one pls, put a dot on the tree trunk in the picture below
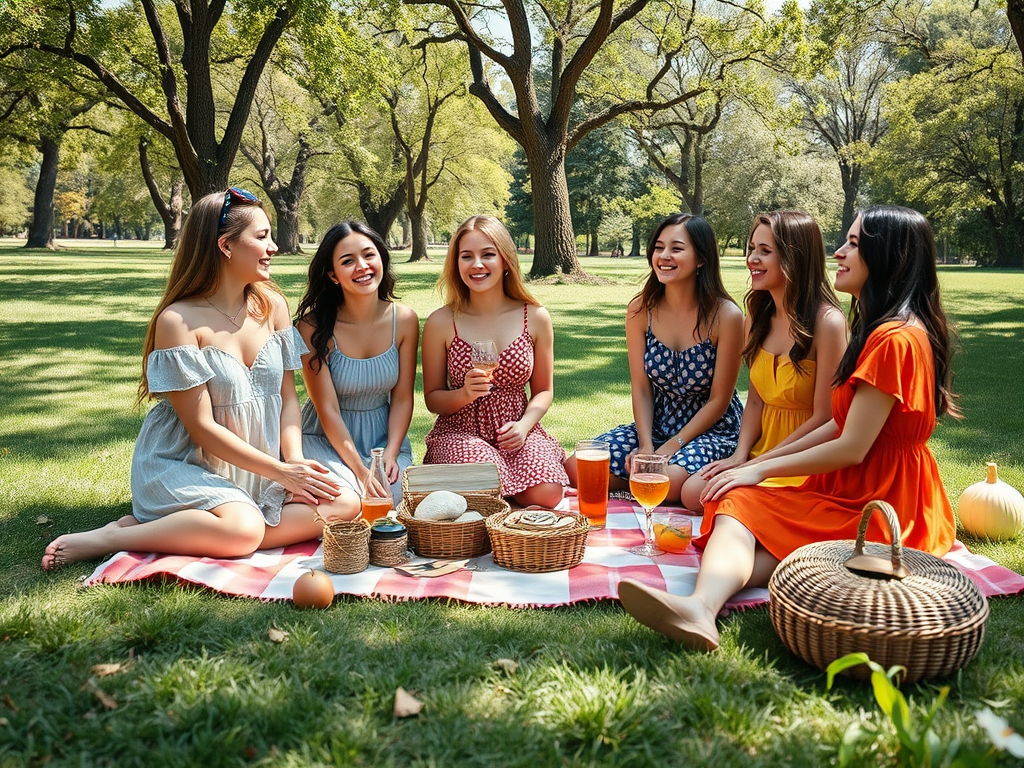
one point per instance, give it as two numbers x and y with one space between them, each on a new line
595 246
406 232
635 246
418 225
172 224
40 231
380 218
1007 237
554 241
851 188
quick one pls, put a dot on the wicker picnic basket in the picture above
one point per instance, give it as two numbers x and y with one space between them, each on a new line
537 551
480 484
899 606
346 546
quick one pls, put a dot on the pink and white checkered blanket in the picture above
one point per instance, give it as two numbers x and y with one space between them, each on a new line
269 574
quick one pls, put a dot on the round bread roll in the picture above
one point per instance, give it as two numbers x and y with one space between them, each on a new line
441 505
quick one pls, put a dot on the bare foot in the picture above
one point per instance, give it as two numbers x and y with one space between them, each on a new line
73 547
684 619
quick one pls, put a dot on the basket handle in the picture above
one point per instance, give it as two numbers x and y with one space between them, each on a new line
876 564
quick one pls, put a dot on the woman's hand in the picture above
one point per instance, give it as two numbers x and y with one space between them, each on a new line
512 436
369 486
716 468
308 481
391 468
477 384
643 448
746 474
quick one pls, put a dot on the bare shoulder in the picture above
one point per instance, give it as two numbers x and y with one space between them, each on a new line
408 320
636 312
175 326
279 314
440 324
830 323
537 314
729 314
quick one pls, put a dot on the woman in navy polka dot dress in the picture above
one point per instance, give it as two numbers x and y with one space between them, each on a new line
684 334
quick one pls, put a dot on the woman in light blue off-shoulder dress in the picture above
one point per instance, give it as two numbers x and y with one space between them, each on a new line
361 367
218 468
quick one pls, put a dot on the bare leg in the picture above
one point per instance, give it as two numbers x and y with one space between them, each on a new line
229 530
302 522
545 495
690 492
730 562
570 469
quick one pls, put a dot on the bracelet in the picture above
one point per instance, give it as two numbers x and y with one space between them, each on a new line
679 440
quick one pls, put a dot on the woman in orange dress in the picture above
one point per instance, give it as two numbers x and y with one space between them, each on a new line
891 385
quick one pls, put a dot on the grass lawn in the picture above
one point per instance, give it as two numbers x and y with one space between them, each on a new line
201 683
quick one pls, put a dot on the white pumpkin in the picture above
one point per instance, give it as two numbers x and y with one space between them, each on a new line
992 509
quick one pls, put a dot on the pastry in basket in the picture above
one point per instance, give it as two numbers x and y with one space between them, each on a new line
538 520
441 505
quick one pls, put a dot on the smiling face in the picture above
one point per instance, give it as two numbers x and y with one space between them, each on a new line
852 272
763 260
356 265
480 265
251 251
673 257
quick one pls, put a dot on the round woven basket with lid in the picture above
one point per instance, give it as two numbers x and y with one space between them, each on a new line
899 606
537 551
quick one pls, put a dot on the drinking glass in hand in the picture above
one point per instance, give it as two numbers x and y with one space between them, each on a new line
484 355
649 485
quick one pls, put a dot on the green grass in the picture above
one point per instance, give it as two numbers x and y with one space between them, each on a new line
203 684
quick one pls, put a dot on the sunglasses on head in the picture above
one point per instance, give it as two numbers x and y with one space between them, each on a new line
239 195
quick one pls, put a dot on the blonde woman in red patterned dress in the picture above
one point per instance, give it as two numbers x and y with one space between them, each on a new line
485 417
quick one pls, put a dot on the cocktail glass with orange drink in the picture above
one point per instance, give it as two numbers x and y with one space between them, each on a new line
649 485
593 458
672 532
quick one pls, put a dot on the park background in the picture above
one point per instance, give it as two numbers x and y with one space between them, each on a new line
734 109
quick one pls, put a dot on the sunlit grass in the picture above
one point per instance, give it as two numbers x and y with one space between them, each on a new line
203 684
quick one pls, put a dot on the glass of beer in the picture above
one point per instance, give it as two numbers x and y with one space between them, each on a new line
592 468
649 485
484 355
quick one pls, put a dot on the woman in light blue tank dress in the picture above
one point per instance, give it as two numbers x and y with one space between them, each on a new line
362 365
684 334
218 468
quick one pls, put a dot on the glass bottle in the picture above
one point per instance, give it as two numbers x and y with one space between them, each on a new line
375 506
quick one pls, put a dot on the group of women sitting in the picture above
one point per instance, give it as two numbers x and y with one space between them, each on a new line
226 462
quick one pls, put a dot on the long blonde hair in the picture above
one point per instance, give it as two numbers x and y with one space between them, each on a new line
195 270
454 292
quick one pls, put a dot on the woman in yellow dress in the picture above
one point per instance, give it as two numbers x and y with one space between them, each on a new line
796 335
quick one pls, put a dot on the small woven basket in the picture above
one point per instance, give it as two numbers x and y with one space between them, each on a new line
389 552
479 484
537 551
346 546
899 606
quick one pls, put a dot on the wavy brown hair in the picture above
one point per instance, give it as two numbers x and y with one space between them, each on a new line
710 288
898 249
454 292
195 269
801 251
323 297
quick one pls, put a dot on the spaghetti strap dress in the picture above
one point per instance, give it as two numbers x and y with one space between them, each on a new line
788 397
364 397
899 467
169 471
469 436
681 383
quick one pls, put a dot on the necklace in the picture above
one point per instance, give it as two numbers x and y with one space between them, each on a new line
234 320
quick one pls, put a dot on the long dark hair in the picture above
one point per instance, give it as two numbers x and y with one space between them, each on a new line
898 250
710 288
801 252
319 305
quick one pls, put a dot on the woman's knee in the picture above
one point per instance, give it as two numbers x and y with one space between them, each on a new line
570 469
542 495
345 506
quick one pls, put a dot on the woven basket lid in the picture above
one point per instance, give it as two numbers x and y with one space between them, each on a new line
851 585
459 478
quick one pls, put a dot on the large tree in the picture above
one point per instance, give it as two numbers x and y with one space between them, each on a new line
617 52
169 64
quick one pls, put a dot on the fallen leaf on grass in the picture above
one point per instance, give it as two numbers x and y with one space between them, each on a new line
106 670
10 702
406 705
108 701
277 635
42 520
508 666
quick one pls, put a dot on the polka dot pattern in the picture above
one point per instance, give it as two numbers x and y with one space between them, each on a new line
681 382
469 436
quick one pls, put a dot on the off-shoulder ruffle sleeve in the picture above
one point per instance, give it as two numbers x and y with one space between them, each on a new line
897 360
292 348
177 369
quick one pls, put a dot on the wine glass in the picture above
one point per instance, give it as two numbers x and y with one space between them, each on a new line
484 355
649 485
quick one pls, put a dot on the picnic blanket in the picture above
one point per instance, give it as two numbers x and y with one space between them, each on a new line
270 574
